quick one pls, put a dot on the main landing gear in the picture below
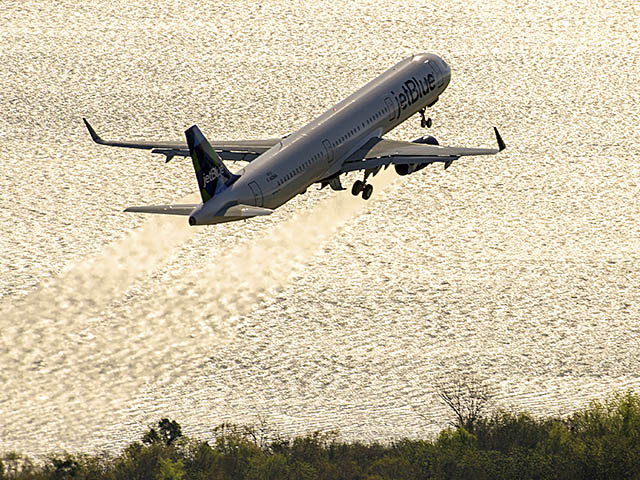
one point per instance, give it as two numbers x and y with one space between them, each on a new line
424 121
361 187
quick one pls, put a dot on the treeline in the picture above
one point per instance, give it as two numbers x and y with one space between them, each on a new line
600 442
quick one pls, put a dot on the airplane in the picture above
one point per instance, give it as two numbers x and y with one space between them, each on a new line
345 138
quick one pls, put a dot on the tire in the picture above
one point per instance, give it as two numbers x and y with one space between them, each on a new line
367 191
358 186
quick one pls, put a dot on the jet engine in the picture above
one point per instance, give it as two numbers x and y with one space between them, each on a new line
414 167
428 139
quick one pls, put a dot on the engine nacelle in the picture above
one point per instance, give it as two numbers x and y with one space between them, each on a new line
411 168
406 169
428 139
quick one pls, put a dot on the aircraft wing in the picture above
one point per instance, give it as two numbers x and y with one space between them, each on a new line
379 152
244 150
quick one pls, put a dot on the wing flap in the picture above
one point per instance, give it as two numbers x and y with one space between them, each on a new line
374 163
379 152
176 209
381 148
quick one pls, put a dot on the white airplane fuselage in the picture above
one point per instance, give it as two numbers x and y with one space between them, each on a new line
317 151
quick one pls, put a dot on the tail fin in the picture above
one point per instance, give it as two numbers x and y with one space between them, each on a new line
212 174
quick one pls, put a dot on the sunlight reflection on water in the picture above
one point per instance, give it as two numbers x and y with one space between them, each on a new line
332 313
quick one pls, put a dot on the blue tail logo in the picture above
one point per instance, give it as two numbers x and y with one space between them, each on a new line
213 176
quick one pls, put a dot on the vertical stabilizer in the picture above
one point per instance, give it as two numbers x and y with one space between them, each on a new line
213 176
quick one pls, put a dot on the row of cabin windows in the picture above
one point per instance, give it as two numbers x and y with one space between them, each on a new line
299 169
379 114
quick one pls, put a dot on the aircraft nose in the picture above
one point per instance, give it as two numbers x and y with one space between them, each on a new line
445 68
446 71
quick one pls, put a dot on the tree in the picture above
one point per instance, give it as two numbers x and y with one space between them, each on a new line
168 432
12 464
468 397
170 470
64 467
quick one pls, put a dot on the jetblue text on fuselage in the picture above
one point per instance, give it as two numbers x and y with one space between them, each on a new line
413 90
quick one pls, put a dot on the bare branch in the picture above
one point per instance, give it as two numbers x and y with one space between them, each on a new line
467 396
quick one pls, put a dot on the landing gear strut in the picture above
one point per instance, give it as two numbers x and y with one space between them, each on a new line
424 122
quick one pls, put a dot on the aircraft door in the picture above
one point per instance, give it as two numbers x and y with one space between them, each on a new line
391 108
329 151
257 194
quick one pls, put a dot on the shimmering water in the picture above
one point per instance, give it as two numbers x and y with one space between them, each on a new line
334 312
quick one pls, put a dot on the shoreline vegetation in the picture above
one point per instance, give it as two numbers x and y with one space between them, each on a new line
601 441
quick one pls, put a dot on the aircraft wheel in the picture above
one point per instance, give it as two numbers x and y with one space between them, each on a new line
367 191
358 186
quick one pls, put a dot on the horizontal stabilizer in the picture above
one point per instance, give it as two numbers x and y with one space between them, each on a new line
178 209
241 210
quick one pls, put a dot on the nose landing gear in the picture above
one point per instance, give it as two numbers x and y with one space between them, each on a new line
424 122
361 187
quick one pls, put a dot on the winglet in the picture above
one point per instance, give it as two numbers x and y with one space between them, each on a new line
501 145
94 136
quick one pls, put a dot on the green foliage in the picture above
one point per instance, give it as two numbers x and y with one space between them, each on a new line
201 461
170 470
601 441
505 431
391 467
64 468
14 465
607 437
168 432
456 441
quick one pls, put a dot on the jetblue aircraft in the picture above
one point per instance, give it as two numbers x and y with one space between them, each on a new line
345 138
